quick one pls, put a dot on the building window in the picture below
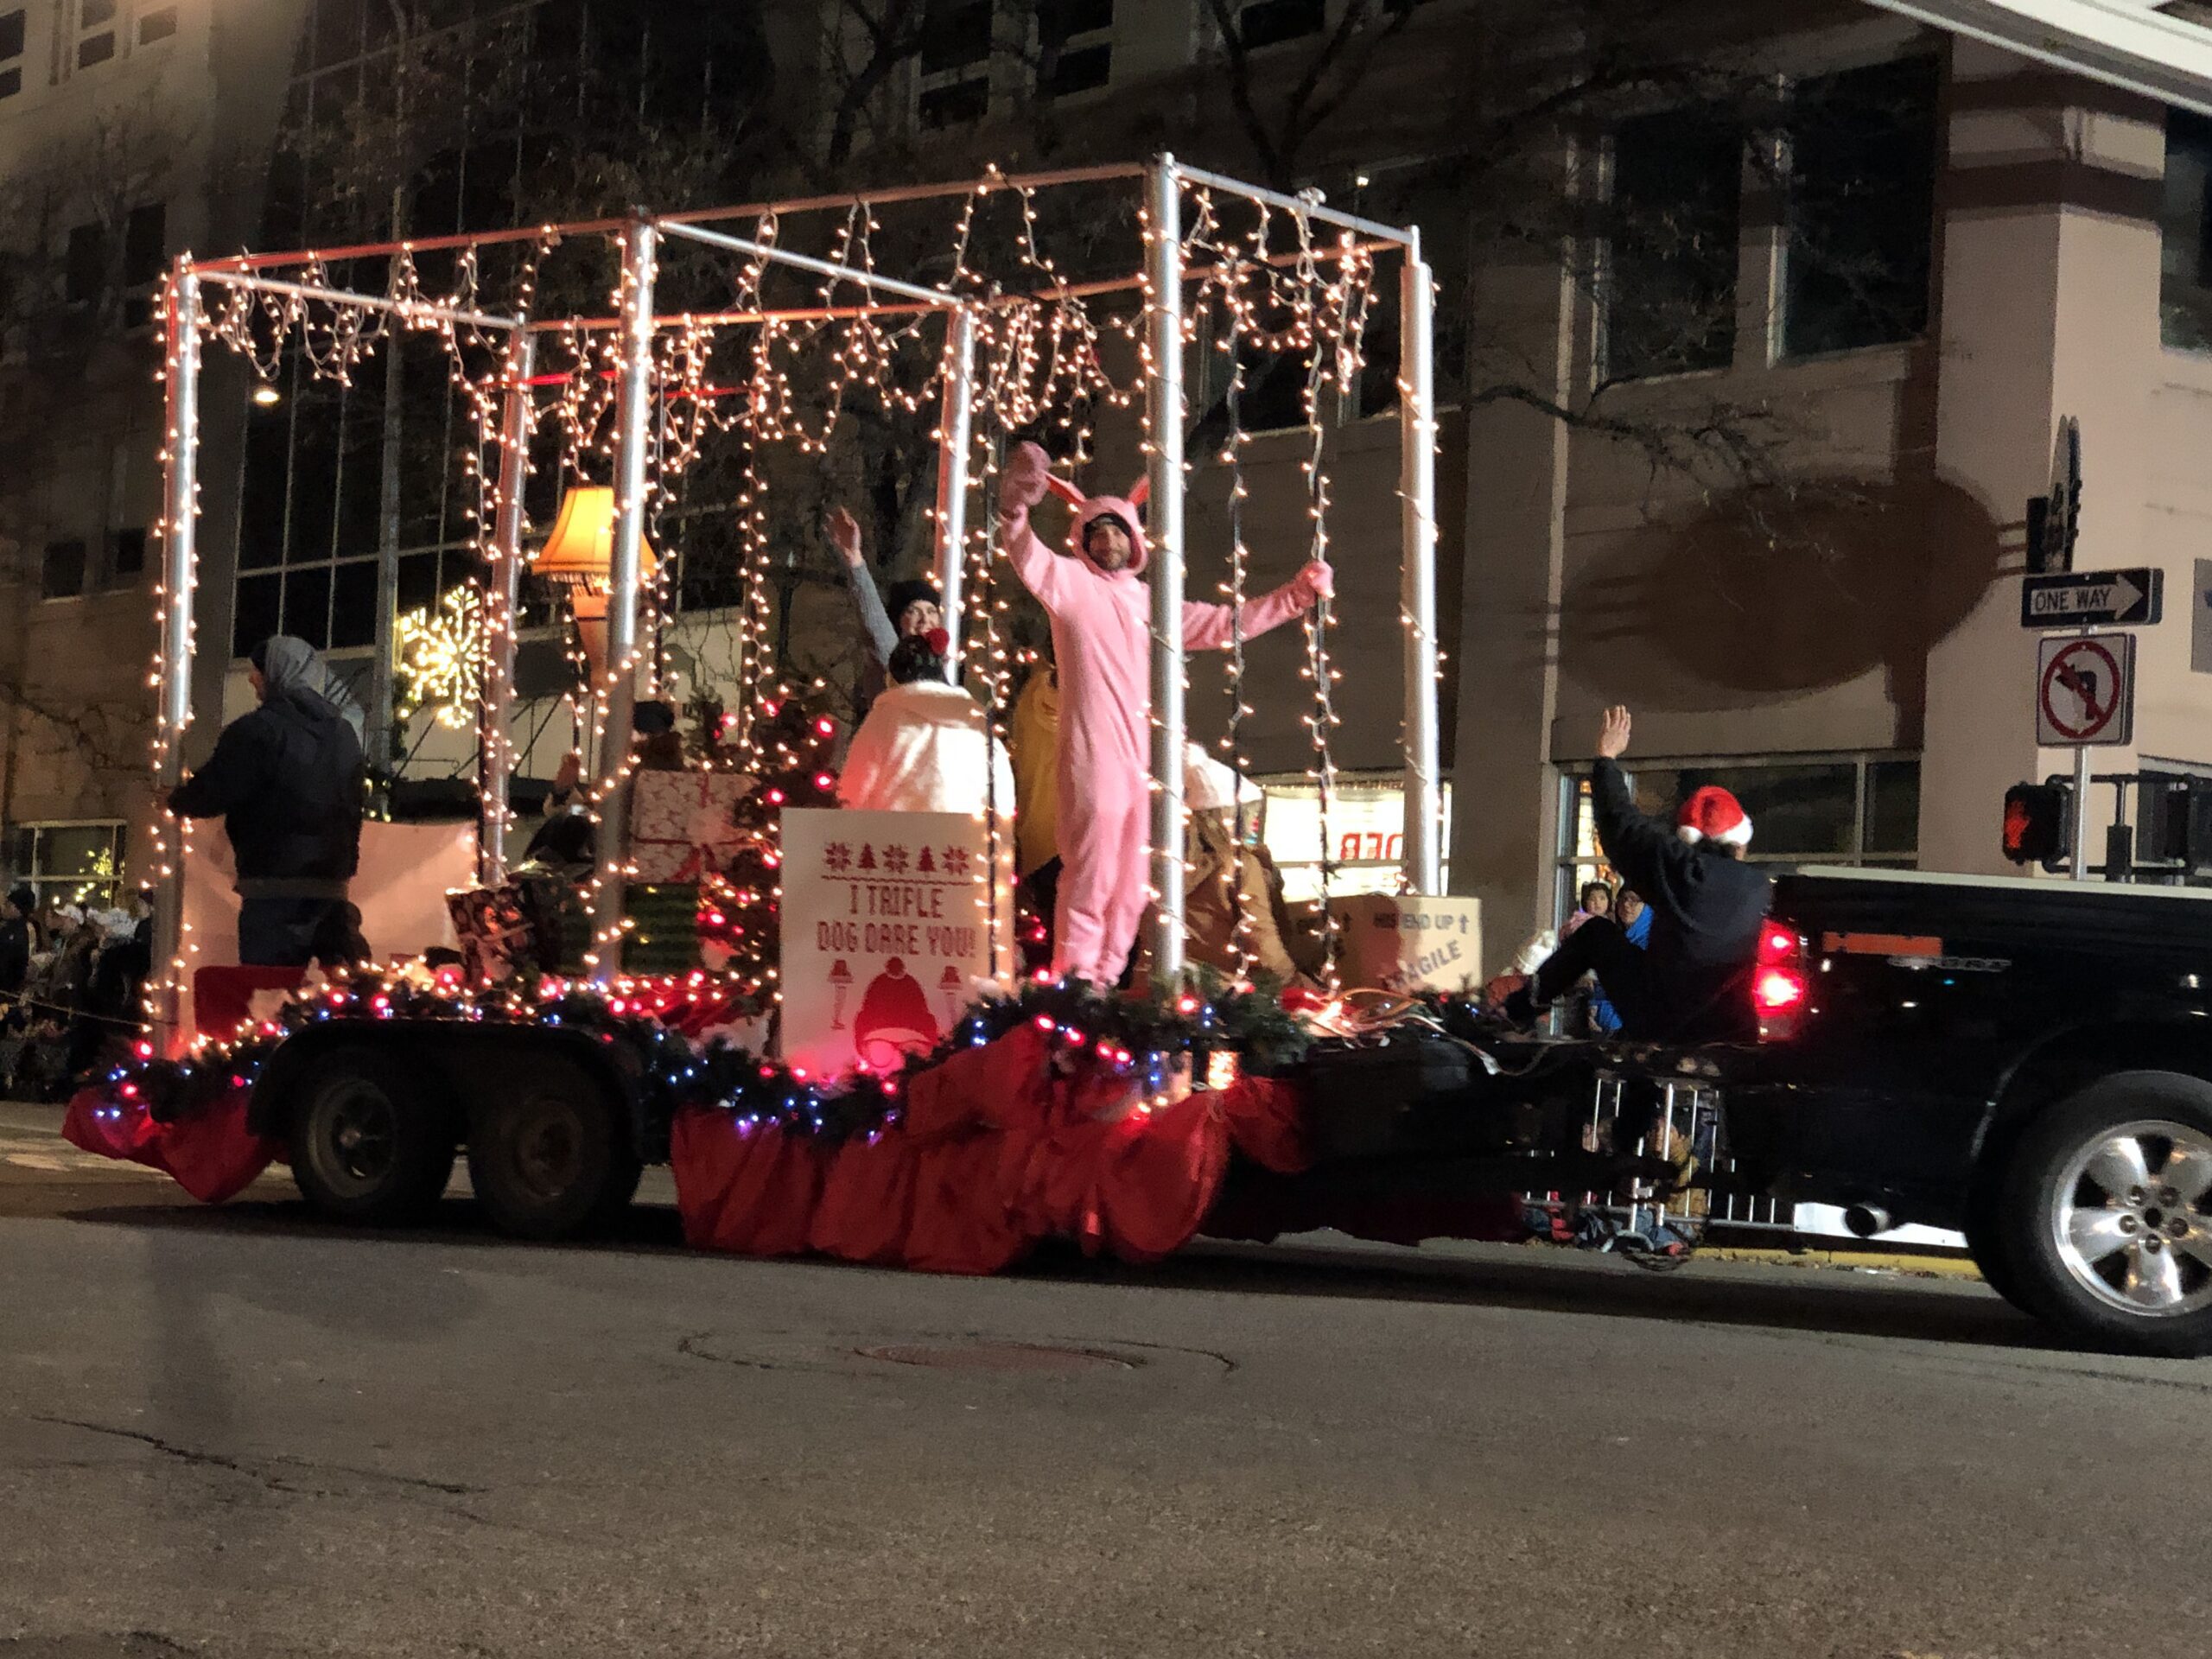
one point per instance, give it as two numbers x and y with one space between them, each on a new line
65 863
61 573
1083 70
84 269
126 555
1860 179
1076 36
954 106
1069 18
1266 23
1855 809
157 25
11 53
1366 842
95 32
145 255
84 273
2185 235
957 35
955 63
1677 208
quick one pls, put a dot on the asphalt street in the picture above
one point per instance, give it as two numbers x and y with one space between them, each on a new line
238 1432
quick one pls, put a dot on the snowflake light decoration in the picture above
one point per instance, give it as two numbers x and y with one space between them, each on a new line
442 659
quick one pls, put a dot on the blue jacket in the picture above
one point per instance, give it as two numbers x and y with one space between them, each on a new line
1602 1011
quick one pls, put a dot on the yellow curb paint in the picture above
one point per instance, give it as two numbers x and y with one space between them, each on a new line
1940 1267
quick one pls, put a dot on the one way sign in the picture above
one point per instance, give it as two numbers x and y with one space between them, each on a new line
2092 599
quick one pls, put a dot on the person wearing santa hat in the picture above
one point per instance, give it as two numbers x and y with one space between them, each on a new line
1692 984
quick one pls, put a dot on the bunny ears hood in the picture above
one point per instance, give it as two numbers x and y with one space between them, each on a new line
1089 509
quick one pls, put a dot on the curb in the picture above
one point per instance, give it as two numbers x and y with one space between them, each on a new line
1934 1267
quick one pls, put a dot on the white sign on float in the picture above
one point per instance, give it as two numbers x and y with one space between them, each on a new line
886 924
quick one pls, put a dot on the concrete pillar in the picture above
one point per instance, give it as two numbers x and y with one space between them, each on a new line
2049 306
1505 806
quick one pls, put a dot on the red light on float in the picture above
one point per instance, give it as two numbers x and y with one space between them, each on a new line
1776 943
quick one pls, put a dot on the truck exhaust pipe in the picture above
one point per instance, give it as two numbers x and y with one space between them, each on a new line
1865 1220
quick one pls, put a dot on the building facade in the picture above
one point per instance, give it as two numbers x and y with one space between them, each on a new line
1783 515
128 130
1867 688
1762 476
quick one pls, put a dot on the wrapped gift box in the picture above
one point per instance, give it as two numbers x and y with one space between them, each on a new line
682 823
664 934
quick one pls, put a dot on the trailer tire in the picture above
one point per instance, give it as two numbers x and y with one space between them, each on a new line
2106 1218
367 1145
549 1156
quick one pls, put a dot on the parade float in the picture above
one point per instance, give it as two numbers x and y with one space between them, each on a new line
838 1055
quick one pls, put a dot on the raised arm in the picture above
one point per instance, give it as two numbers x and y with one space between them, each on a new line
1643 852
1042 572
867 604
1652 858
1206 627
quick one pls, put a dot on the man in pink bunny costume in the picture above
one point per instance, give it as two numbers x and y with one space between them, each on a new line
1102 637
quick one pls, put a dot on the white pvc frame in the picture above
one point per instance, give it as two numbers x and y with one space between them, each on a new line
1166 413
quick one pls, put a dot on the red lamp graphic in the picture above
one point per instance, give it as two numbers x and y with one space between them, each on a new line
894 1019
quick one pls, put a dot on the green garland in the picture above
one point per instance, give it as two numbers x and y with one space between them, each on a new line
1137 1036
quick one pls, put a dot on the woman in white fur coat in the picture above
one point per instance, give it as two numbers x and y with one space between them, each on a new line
926 745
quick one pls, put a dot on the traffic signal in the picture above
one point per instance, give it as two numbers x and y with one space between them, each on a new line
2173 816
2038 822
2162 819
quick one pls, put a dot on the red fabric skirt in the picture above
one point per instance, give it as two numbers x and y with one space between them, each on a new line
993 1152
210 1152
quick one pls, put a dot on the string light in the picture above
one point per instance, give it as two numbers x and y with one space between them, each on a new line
779 385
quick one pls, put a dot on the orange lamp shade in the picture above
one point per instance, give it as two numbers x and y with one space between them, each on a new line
580 553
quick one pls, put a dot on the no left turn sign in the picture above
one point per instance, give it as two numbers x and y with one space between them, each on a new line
2085 691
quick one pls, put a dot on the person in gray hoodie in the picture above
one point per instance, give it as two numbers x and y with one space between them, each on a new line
288 782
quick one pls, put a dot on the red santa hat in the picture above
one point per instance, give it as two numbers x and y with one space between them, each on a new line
1712 814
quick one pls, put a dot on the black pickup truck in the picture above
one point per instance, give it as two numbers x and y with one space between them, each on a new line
2028 1062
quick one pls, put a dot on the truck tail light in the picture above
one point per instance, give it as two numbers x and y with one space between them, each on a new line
1779 982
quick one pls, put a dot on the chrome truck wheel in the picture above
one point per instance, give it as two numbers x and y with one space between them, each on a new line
2107 1214
2129 1219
